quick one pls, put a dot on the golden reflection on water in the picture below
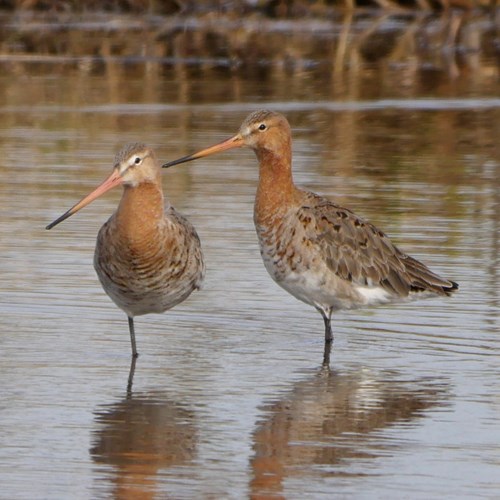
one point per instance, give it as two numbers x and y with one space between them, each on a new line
407 55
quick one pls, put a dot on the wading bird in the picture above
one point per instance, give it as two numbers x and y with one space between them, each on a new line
148 257
321 253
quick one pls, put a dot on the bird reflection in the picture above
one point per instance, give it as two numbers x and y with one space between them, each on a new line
140 435
330 418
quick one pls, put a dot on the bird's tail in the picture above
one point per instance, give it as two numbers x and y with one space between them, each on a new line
423 279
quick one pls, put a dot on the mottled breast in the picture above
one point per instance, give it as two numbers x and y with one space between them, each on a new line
152 269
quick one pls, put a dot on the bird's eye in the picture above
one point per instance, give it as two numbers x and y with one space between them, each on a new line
262 126
137 160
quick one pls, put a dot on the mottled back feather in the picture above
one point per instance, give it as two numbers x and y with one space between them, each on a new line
356 251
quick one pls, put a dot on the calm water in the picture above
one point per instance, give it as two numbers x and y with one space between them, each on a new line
229 399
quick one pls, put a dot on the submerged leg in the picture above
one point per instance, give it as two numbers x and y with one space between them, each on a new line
132 336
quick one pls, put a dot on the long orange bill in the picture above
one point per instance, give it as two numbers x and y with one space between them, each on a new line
112 181
234 142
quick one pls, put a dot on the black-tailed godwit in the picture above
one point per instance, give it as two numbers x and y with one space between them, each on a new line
321 253
148 257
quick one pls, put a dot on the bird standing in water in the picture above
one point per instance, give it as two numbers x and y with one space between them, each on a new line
148 257
321 253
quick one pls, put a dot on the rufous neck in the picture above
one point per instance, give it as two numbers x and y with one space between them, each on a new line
276 189
140 207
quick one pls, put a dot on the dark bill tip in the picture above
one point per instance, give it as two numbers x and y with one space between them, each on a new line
184 159
59 219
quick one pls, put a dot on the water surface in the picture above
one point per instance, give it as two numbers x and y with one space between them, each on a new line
229 398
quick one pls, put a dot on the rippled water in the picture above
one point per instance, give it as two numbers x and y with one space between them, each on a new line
228 398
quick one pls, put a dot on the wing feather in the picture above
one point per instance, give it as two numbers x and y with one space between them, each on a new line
357 251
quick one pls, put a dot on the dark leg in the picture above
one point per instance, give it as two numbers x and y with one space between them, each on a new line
327 318
328 330
132 336
326 354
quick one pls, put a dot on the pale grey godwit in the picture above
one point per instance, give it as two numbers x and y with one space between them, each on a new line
148 257
321 253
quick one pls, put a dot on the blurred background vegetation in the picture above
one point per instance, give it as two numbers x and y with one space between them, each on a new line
269 8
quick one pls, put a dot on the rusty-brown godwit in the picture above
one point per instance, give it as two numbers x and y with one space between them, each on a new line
148 257
321 253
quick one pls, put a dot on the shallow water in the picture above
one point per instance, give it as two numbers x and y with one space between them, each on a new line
229 399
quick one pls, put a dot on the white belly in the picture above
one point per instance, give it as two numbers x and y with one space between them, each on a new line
302 271
323 289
